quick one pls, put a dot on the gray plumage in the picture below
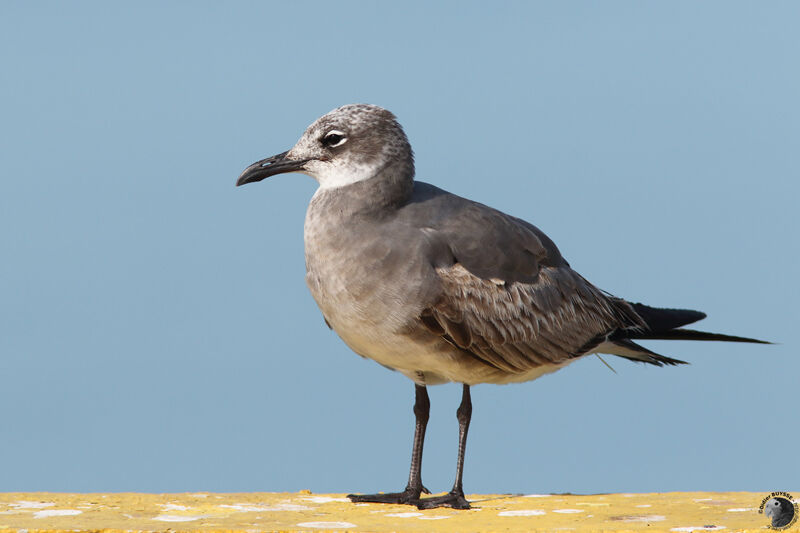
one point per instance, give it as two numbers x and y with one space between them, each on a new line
442 288
445 289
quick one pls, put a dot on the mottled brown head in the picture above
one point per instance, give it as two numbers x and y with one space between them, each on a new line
353 143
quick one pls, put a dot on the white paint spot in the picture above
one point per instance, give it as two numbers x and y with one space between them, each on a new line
199 495
522 512
249 507
628 495
703 499
567 511
689 529
177 518
173 507
326 525
742 509
325 499
646 518
644 505
244 507
537 495
404 515
30 505
56 512
433 517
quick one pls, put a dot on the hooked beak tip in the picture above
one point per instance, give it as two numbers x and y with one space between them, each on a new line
277 164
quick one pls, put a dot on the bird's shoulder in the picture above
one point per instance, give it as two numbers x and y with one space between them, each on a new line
484 240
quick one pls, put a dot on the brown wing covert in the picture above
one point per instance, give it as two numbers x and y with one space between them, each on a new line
516 327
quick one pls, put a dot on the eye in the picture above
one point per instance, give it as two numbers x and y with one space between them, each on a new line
334 138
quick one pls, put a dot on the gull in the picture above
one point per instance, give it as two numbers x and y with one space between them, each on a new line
444 289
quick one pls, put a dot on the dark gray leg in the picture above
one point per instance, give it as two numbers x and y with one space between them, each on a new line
455 498
422 409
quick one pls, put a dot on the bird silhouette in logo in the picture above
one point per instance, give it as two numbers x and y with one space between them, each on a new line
780 510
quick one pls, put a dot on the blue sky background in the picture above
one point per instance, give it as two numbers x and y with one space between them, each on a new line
156 333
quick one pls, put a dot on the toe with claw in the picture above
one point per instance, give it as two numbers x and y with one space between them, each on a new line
410 496
453 499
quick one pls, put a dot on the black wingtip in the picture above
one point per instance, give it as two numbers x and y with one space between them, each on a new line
666 324
664 319
690 335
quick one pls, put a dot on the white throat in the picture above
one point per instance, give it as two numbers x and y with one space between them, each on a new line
335 174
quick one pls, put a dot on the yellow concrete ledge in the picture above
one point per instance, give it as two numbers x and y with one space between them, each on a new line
304 511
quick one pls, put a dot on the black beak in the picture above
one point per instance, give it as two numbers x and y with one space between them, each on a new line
277 164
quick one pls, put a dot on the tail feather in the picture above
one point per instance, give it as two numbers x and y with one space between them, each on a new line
630 350
662 324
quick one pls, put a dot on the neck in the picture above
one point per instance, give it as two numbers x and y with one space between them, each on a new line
389 187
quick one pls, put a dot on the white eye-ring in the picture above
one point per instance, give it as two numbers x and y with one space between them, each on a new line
334 138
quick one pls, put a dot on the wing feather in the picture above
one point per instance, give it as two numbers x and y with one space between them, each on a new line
502 292
518 326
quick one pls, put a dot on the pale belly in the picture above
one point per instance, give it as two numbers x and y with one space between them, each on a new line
376 332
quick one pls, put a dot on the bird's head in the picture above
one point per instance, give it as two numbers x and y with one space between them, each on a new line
773 507
350 144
